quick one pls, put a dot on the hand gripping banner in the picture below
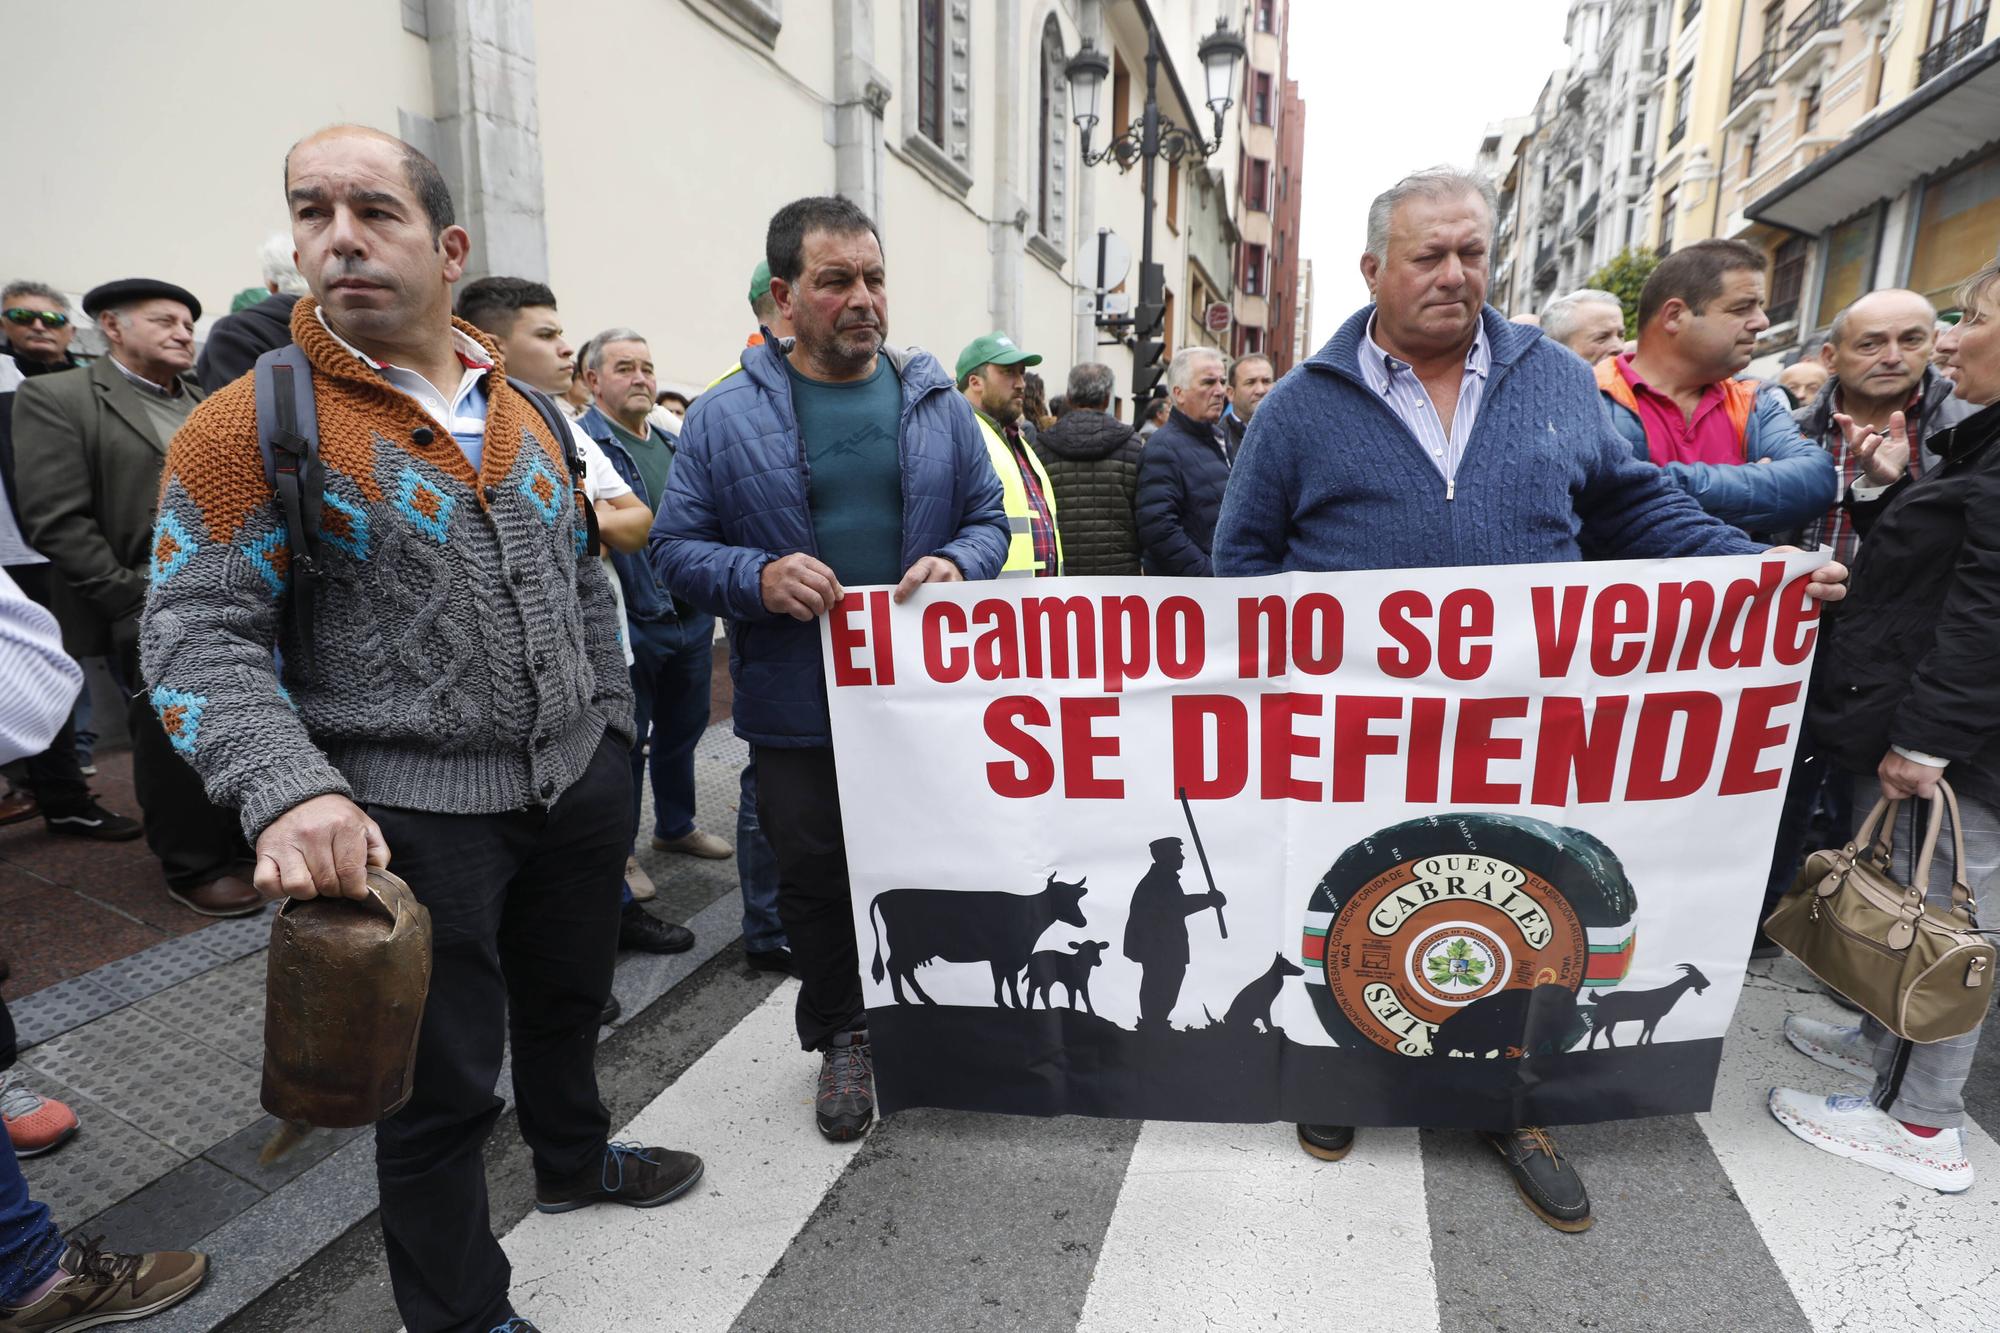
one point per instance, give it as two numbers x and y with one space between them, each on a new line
1458 847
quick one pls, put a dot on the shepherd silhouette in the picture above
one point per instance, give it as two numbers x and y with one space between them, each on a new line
1156 933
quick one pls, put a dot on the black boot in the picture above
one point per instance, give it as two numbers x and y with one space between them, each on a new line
641 931
1329 1143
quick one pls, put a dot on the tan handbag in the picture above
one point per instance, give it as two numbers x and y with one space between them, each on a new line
1923 973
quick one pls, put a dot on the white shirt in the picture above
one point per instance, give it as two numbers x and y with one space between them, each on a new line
600 480
464 413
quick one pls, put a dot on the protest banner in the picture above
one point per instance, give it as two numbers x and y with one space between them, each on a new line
1448 847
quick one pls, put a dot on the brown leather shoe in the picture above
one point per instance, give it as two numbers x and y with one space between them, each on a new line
16 806
225 895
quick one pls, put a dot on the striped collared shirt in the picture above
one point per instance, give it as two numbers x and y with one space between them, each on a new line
1406 396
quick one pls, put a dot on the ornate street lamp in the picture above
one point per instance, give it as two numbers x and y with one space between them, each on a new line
1145 141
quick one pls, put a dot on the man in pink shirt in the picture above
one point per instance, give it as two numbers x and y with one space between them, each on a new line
1675 400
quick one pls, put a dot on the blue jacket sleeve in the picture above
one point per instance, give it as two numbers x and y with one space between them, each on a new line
979 547
1796 486
1256 519
1162 498
1631 509
686 545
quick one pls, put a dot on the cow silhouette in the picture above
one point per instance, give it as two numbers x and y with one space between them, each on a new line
1252 1004
1521 1021
982 926
1052 967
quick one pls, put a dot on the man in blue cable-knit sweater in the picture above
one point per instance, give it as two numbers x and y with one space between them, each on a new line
1431 432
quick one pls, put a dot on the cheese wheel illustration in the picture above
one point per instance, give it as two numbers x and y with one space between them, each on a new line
1426 919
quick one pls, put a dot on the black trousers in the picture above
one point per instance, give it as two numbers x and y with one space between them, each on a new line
524 922
1159 990
195 839
798 803
55 775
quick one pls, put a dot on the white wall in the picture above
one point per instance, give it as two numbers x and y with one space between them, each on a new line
163 151
666 147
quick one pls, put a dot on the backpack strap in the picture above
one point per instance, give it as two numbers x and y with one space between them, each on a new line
288 439
553 418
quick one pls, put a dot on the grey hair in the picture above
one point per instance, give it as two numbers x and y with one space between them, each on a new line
1973 290
276 256
1180 371
1090 385
594 349
1444 182
21 287
1559 316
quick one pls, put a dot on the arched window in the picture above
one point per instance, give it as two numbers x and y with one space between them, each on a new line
1052 140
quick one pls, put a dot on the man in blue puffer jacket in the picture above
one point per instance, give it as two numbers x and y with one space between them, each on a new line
827 461
1741 457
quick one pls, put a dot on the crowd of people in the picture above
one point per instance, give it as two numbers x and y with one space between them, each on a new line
463 648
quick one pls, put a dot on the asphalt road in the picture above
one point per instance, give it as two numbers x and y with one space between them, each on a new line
947 1220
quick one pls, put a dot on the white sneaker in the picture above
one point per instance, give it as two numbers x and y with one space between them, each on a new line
1833 1045
638 880
1855 1128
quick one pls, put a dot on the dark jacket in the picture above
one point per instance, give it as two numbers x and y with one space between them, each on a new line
646 598
736 501
1794 488
237 340
28 370
1938 408
1182 474
1914 662
1092 459
88 466
1330 478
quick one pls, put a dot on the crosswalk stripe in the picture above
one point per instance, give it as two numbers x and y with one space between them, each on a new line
691 1266
1232 1226
1861 1249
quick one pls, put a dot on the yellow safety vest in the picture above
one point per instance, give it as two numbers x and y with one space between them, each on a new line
1021 562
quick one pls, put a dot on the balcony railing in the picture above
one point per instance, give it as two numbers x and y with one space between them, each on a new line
1545 258
1823 15
1586 213
1957 43
1755 76
1677 133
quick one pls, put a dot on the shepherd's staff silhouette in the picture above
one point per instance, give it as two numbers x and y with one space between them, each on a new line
1206 874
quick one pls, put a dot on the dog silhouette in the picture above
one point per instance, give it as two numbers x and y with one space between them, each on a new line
1252 1004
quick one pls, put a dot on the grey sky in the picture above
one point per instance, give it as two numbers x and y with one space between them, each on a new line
1395 87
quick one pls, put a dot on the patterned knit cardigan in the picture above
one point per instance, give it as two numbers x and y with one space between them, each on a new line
465 651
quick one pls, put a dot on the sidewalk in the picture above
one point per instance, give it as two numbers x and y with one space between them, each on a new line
148 1020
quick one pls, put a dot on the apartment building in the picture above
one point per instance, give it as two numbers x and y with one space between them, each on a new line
1271 139
631 152
1856 142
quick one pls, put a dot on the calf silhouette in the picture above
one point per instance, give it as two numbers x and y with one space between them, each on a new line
1644 1007
1252 1004
1522 1021
945 925
1071 971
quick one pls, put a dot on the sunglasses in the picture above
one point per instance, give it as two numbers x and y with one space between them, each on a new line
51 319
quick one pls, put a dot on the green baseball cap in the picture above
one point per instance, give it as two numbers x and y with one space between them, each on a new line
760 281
995 349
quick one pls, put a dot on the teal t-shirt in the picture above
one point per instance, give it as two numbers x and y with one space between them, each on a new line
652 457
855 470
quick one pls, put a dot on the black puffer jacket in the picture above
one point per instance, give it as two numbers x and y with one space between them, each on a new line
1914 661
1092 459
237 340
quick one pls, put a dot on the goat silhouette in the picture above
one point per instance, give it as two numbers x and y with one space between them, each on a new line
1645 1007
